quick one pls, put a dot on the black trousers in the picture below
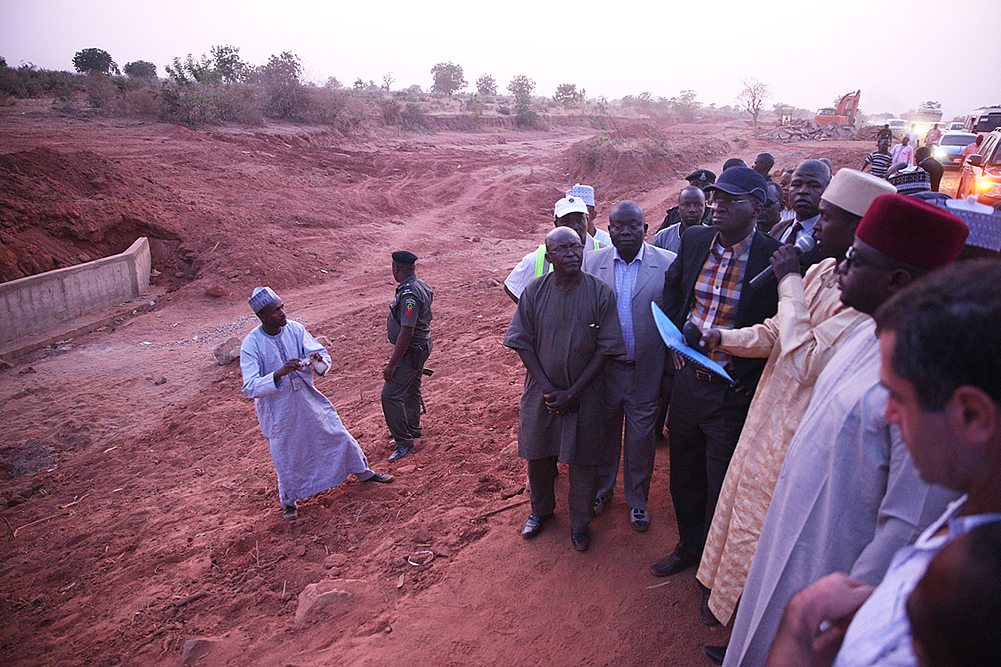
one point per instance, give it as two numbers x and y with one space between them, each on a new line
705 420
583 488
401 398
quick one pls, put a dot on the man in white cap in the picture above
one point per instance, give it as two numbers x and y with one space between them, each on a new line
311 448
809 327
568 212
586 192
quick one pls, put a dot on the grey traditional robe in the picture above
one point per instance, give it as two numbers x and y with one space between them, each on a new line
847 498
565 328
311 448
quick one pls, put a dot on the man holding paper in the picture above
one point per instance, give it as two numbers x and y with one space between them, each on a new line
311 448
708 285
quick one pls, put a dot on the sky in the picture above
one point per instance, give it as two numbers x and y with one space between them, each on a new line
899 53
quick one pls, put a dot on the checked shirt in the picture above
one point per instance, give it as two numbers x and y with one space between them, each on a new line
717 289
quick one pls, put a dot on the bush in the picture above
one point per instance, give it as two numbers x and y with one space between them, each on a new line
238 103
185 105
527 119
29 82
474 105
143 102
413 118
100 92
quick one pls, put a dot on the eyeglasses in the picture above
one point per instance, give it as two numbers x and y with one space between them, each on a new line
852 257
717 202
563 250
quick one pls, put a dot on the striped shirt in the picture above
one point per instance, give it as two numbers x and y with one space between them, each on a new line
880 163
717 289
625 283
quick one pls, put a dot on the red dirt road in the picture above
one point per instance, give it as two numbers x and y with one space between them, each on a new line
131 496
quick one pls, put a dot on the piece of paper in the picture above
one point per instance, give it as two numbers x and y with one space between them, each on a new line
675 341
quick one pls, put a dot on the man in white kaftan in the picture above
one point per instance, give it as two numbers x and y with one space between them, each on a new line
848 495
311 449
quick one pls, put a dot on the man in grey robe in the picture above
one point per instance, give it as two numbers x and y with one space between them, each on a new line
311 448
849 494
565 328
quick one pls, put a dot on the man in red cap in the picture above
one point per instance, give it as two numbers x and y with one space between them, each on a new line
848 495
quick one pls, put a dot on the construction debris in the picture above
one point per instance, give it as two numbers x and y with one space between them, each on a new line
808 130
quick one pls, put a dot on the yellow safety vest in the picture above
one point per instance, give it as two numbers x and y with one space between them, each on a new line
542 266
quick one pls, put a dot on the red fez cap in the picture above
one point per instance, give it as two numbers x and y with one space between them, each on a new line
912 231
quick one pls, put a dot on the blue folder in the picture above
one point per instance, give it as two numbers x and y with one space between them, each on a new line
675 341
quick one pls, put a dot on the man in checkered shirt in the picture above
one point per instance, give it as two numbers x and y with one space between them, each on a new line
708 285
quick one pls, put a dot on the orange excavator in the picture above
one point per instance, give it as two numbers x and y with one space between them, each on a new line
845 112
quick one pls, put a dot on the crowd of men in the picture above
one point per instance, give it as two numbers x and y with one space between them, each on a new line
858 430
835 459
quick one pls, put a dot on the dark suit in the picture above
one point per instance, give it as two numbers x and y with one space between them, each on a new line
706 413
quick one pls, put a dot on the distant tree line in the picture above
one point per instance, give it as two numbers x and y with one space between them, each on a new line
221 87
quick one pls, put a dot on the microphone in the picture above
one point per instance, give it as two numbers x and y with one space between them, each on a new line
803 245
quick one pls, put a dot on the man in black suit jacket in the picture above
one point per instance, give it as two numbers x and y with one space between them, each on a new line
708 284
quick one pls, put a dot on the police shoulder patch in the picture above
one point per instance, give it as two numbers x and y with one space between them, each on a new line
409 304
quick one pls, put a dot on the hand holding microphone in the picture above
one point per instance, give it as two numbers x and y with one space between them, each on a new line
782 259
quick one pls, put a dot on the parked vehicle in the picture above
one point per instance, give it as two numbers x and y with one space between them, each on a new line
898 126
981 175
983 120
956 126
949 148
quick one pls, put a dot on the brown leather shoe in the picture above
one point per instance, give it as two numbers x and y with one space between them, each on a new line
673 564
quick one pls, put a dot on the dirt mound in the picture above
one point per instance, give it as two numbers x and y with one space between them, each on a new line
639 156
59 209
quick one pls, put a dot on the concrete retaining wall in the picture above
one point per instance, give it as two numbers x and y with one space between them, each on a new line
31 305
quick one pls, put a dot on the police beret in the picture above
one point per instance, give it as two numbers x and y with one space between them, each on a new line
701 176
404 257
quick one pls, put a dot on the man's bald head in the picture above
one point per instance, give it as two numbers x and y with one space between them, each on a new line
559 236
692 191
763 163
632 211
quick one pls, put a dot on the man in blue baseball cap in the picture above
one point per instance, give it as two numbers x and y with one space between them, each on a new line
708 285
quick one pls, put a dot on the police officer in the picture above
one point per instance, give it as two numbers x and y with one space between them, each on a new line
700 178
409 332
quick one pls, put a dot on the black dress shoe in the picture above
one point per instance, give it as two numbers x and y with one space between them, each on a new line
399 453
673 564
534 524
580 540
715 653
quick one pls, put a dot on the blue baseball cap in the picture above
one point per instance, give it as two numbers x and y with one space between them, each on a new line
741 181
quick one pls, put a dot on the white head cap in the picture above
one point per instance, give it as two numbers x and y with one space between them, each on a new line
262 297
585 192
570 205
854 190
